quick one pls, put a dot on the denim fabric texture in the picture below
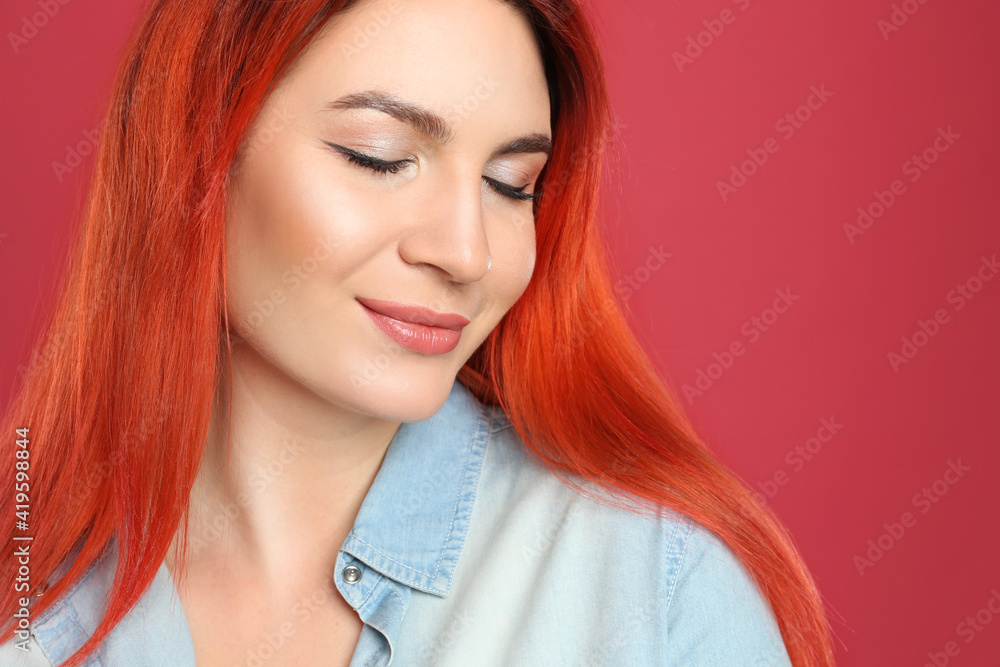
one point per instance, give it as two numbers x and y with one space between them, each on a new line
470 552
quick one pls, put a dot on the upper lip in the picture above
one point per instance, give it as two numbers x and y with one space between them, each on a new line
415 314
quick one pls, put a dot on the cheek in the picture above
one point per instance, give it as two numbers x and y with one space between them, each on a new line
294 227
513 264
270 230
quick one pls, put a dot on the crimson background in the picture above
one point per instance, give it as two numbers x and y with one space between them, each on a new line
682 128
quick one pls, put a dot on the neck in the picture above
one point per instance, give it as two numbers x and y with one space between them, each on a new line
298 470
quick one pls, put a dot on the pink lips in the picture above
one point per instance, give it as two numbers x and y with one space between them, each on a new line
415 327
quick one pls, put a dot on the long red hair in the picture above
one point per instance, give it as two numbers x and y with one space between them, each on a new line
119 392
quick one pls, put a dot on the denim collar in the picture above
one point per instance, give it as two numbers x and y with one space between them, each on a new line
414 520
411 528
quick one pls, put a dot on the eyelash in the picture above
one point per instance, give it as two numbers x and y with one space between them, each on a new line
384 168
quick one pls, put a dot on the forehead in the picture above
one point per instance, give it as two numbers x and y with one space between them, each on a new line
464 59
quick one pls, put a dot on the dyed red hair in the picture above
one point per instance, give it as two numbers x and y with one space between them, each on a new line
119 393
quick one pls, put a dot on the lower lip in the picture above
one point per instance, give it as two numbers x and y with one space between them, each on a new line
417 337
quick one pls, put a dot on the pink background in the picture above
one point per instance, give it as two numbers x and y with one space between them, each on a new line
684 125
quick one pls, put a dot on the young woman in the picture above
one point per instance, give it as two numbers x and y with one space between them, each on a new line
338 376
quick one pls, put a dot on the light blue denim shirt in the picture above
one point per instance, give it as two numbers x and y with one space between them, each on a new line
468 552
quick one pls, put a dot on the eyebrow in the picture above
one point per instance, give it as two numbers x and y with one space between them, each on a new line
431 124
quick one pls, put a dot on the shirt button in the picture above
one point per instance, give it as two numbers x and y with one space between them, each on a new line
351 574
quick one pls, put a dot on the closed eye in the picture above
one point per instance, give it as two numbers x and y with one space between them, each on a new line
385 168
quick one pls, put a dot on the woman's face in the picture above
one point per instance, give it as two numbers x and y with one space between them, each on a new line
335 271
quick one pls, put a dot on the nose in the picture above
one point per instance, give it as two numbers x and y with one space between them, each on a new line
449 231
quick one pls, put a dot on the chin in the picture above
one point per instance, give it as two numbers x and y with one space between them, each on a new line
403 398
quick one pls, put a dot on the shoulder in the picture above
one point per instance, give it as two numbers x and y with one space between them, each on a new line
19 653
680 581
153 633
66 624
716 612
59 626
